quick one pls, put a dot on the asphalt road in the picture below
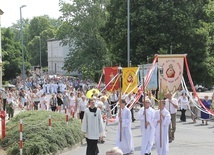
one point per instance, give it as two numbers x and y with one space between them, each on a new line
190 139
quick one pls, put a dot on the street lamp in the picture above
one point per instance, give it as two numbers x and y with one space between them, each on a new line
23 60
128 33
1 13
40 53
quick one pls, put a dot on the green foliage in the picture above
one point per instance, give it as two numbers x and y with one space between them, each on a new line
37 138
11 55
81 30
161 27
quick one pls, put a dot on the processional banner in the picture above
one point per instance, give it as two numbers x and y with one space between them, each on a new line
153 84
172 66
111 78
130 80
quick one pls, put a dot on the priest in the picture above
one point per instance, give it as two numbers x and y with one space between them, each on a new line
92 127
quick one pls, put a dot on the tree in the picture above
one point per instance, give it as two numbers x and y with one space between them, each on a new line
158 27
11 55
82 21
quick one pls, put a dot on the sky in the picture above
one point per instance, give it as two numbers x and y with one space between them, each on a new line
11 9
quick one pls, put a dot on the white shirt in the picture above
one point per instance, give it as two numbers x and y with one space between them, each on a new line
184 103
169 106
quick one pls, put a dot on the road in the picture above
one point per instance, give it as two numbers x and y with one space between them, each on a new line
190 139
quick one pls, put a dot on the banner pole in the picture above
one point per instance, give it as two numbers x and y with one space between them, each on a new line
120 112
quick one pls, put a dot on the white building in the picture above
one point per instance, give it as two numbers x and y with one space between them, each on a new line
56 55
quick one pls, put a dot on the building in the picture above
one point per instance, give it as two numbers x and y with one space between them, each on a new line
56 55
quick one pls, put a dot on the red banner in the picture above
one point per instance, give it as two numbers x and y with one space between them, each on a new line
111 80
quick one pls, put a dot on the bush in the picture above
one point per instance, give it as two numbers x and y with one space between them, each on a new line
37 138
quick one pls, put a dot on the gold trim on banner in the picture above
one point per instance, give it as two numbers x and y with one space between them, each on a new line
172 55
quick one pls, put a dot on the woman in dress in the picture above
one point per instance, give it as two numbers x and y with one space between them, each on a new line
207 104
43 102
72 101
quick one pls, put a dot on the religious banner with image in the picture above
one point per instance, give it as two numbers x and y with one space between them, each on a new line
172 66
130 80
111 80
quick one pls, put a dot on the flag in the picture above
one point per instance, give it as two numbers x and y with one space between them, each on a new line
130 80
172 66
152 85
111 80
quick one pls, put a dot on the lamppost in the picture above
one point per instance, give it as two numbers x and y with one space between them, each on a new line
40 53
1 13
23 60
128 33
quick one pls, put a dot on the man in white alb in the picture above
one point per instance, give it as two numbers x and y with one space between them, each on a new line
146 117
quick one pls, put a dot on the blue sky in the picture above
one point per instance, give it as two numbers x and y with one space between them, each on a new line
11 9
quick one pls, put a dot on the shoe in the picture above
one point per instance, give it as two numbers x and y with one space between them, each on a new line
102 141
170 141
133 120
202 122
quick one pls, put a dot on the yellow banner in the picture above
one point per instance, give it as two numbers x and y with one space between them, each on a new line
130 80
172 66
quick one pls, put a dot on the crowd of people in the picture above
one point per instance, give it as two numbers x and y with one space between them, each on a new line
157 123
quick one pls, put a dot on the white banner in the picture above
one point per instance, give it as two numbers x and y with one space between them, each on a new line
172 66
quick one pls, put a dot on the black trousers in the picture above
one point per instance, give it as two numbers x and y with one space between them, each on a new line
92 148
113 104
4 104
183 115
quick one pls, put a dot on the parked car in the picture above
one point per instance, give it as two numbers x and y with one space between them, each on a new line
200 88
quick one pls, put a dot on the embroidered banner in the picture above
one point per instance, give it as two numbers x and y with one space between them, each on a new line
130 80
111 80
172 71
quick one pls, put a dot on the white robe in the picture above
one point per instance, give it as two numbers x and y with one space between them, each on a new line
92 125
149 132
126 143
164 150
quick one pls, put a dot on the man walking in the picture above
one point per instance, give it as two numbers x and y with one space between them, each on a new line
92 127
124 139
146 117
172 107
162 120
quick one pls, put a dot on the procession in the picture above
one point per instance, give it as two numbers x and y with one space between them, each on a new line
126 97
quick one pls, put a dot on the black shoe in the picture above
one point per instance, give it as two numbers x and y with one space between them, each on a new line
170 141
133 120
